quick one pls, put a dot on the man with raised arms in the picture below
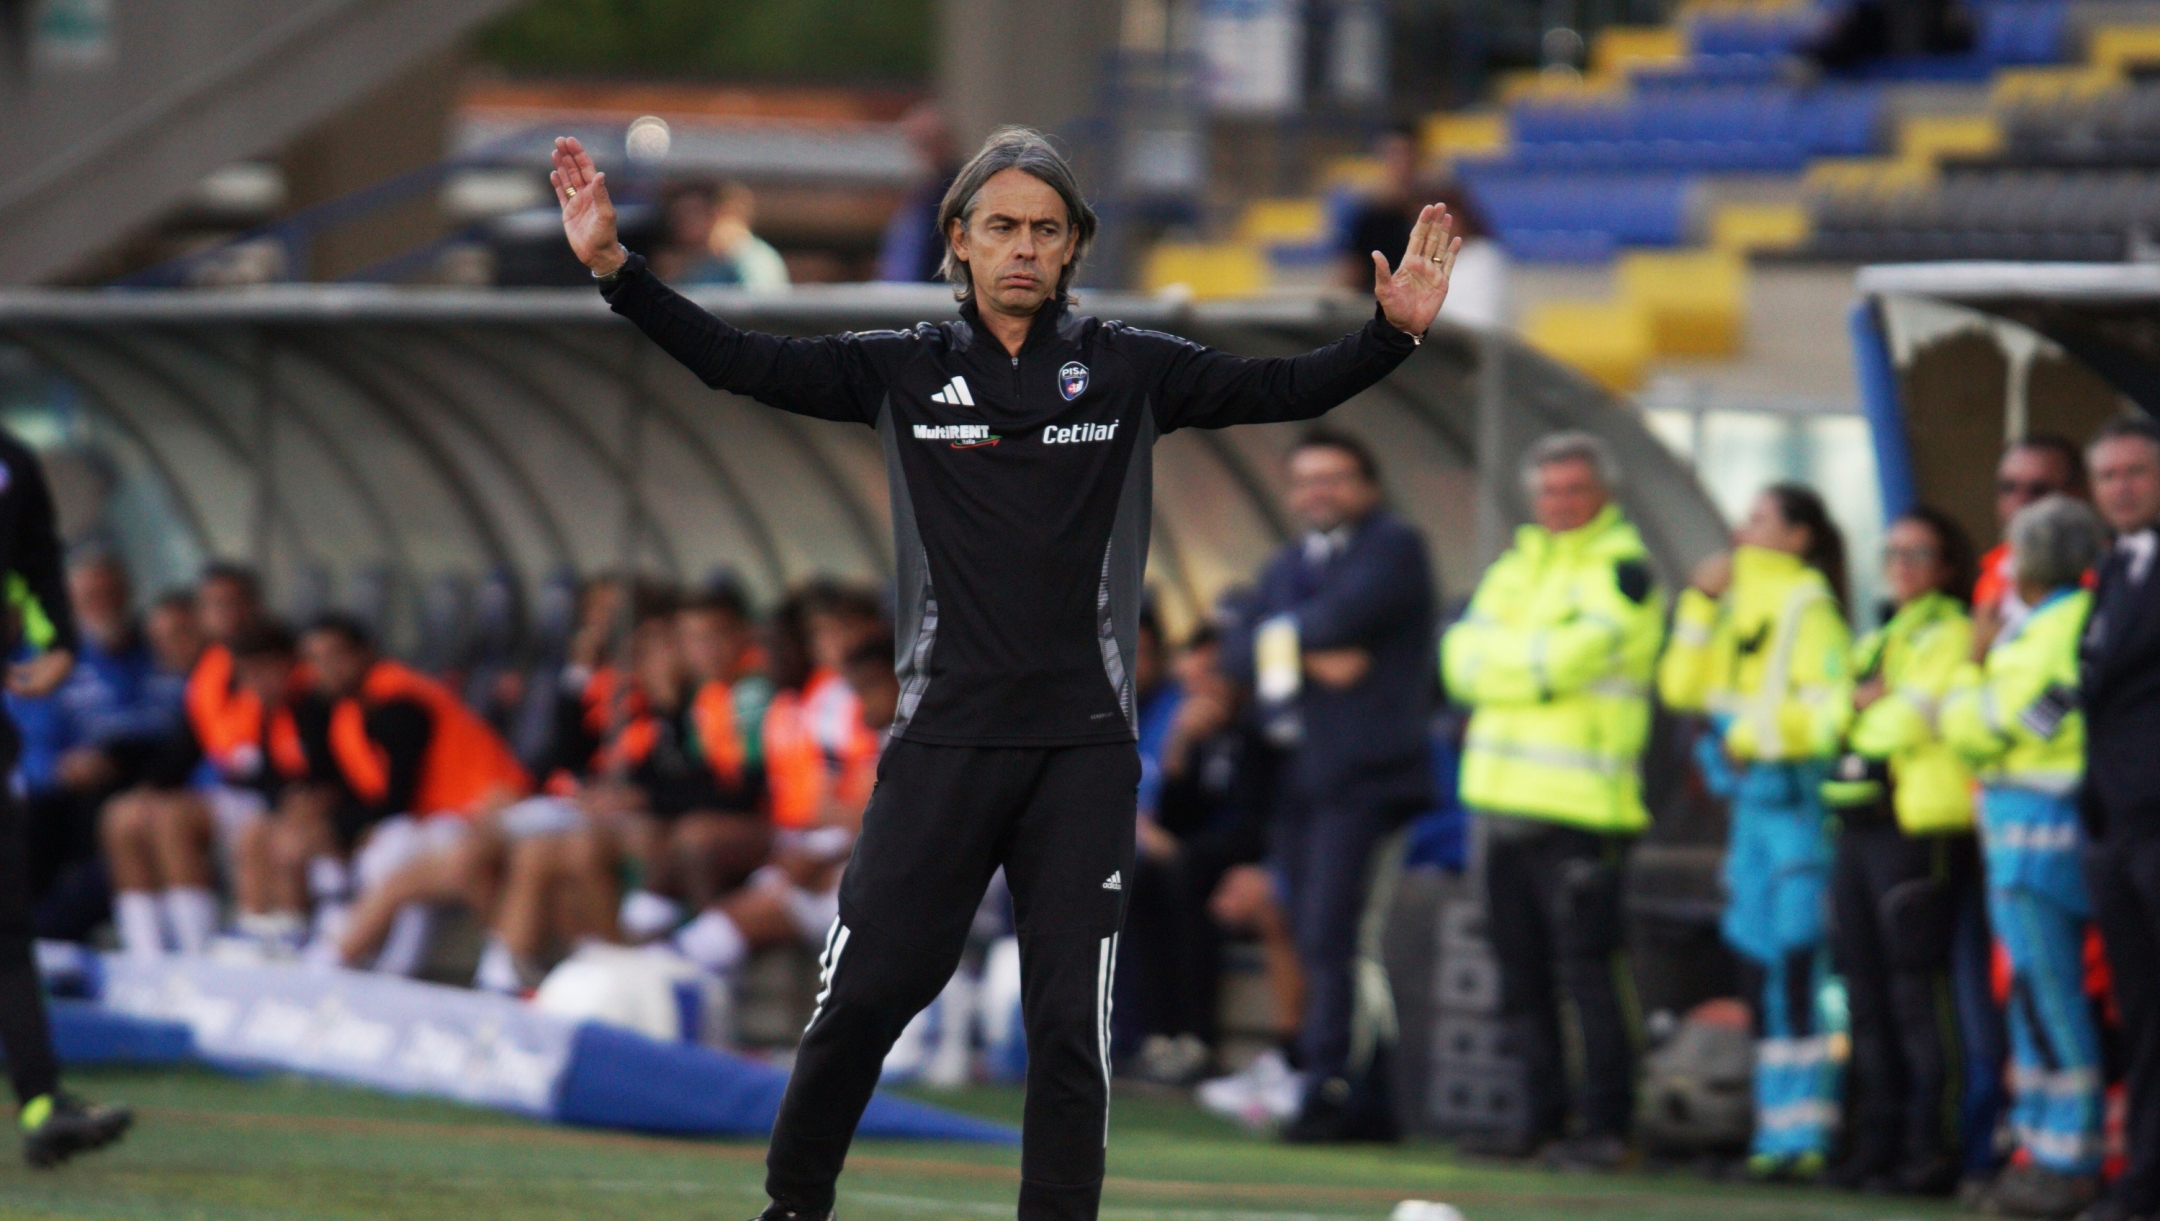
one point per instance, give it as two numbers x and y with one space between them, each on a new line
1017 443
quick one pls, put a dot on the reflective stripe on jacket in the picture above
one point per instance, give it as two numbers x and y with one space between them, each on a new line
1554 656
1767 655
1916 655
466 764
2016 719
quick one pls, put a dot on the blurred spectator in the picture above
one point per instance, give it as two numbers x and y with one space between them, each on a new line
2120 690
95 736
687 213
1340 659
1906 861
733 253
913 250
1478 287
2030 470
2015 718
1856 33
1555 656
1759 642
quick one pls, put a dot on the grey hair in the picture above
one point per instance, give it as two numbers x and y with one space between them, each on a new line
2055 539
1571 446
1013 148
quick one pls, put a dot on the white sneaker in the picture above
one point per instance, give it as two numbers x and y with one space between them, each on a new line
1266 1093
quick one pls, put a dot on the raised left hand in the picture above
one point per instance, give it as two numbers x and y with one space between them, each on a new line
1411 295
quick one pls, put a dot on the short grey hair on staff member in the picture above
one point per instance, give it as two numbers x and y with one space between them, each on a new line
2055 539
1027 150
1574 445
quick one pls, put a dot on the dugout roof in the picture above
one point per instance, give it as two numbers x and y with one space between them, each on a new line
319 429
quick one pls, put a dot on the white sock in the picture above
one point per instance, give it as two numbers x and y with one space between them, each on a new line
713 942
328 878
135 912
278 929
498 969
191 912
645 915
407 943
331 920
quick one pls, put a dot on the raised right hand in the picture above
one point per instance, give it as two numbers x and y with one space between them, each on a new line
588 215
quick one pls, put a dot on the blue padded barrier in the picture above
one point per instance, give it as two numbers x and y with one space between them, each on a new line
621 1079
85 1034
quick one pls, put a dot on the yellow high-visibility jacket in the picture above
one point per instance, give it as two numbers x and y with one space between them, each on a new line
1554 657
1916 655
1769 655
2016 719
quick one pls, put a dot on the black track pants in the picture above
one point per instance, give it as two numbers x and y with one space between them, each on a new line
23 1030
1553 915
1894 901
943 818
2123 877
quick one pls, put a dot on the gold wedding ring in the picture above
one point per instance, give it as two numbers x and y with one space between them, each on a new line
573 194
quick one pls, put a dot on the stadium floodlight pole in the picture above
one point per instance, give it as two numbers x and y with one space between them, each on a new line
1017 443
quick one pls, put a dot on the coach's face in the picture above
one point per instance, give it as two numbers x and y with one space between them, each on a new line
1016 244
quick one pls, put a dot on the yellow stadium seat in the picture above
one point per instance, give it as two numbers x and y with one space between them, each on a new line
1445 137
2116 49
1620 47
1739 228
1206 270
1283 222
1608 341
1555 84
2054 83
1868 175
1357 173
1696 301
1928 138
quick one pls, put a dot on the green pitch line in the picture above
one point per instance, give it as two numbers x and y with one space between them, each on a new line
214 1148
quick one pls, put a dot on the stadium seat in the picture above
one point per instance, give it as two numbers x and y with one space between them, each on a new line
1206 270
1695 301
1610 342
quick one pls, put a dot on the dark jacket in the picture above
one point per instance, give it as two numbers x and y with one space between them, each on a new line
1376 594
2119 681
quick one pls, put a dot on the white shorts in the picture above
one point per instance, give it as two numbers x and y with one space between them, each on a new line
232 811
400 840
538 817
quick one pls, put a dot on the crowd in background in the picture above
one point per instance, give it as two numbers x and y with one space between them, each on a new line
1948 822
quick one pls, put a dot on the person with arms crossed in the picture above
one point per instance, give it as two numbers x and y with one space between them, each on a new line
1017 443
55 1125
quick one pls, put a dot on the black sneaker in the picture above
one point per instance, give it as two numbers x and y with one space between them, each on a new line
777 1211
58 1126
2111 1209
2036 1191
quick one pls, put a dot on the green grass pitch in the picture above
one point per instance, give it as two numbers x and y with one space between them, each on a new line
215 1148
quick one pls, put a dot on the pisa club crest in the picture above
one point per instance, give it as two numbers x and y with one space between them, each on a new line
1072 380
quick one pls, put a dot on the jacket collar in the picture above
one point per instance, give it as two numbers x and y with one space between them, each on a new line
1042 330
1534 536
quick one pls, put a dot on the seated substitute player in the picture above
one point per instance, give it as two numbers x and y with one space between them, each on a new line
1018 440
413 767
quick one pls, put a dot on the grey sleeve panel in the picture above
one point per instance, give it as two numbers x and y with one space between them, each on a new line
915 618
1124 567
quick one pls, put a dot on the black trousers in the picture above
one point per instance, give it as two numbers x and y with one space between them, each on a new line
1894 902
1324 850
2123 877
941 821
1553 916
24 1032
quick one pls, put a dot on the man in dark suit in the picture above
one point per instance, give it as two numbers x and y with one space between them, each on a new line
1341 659
2120 681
